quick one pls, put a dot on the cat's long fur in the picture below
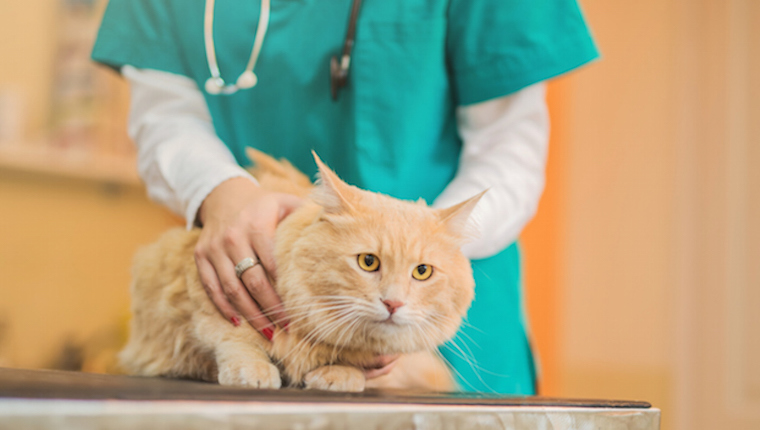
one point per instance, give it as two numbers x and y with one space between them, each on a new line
338 321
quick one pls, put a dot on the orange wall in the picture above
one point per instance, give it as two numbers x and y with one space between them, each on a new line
599 256
541 254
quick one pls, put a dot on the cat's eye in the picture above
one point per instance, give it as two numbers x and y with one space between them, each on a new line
422 272
369 262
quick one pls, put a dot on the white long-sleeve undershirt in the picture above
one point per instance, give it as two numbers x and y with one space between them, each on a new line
179 156
505 143
505 140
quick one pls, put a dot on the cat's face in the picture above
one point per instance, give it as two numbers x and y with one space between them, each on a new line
373 272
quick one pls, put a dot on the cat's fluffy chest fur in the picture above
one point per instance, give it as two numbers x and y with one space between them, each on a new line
338 321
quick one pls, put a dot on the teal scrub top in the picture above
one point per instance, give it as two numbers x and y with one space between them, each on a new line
393 128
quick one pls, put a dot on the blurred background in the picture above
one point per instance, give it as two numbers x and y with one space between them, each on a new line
642 265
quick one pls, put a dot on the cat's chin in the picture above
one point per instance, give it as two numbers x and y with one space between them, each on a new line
390 338
393 322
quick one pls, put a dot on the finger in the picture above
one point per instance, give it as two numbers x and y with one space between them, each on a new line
263 245
375 373
255 280
238 295
263 237
288 203
213 288
381 361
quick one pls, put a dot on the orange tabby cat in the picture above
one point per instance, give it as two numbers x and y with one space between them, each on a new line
339 257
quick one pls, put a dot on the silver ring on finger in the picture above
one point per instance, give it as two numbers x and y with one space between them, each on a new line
244 265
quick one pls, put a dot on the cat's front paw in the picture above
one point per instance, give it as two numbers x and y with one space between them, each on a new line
335 378
254 374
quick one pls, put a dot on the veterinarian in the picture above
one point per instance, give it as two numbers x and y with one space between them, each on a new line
438 99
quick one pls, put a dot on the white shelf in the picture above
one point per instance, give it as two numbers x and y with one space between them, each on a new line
45 159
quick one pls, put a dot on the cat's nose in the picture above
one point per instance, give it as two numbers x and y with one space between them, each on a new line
392 305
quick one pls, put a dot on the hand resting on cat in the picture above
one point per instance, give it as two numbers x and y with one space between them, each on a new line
239 220
360 274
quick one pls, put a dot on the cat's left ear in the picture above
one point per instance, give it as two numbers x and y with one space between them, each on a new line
331 192
456 217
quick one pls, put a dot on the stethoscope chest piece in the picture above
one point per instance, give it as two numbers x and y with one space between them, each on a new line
339 67
338 77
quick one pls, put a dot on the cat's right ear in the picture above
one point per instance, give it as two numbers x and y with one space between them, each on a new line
331 192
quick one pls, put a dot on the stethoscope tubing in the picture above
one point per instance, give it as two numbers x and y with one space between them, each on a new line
216 85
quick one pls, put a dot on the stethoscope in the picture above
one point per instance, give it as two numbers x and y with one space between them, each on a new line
216 85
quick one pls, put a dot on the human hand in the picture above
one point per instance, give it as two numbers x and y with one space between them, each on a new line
381 365
239 220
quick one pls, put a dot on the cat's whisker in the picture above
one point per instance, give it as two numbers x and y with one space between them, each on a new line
339 331
327 319
330 320
288 308
333 355
349 330
464 344
475 365
324 329
436 320
430 333
296 318
424 337
309 305
436 317
469 359
344 299
483 272
312 311
452 341
469 338
339 339
336 296
300 304
458 352
323 332
309 337
467 324
428 337
454 369
303 314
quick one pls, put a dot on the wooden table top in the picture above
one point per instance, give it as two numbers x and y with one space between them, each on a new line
49 384
55 400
